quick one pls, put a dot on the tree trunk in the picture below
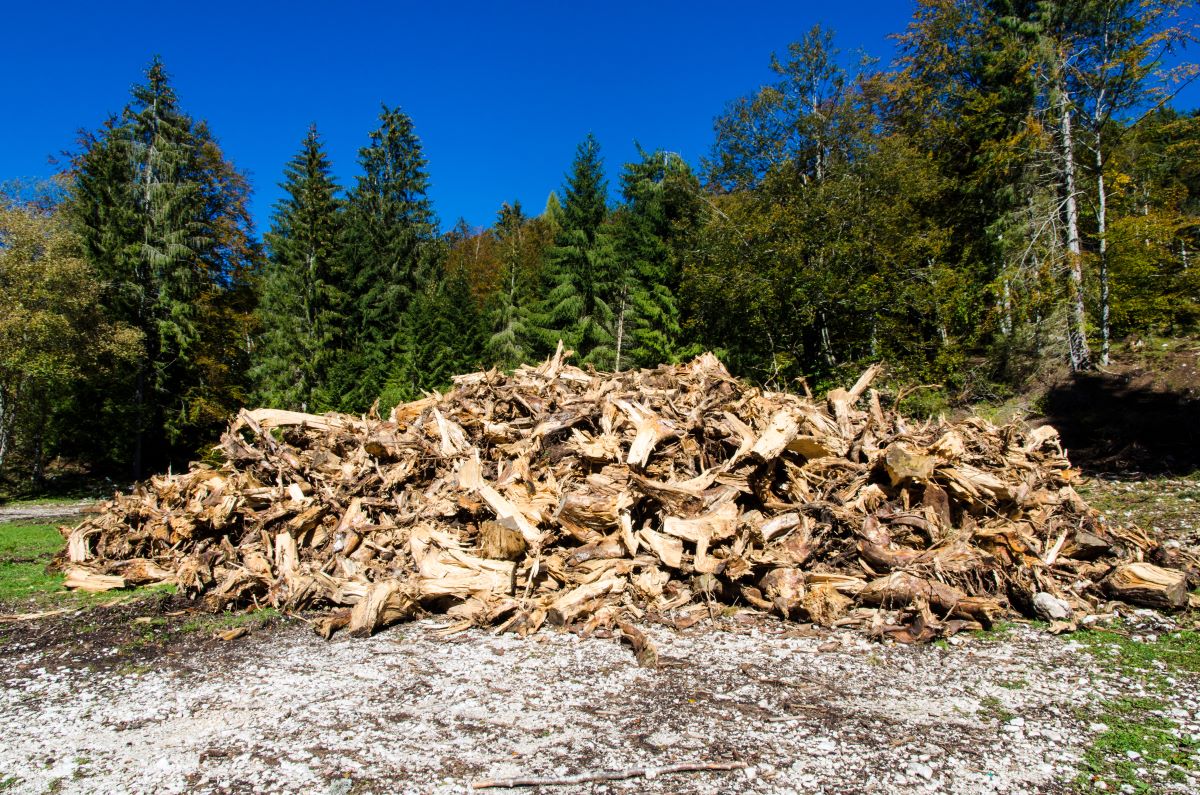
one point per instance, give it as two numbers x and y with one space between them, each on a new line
1101 232
1081 357
620 332
826 345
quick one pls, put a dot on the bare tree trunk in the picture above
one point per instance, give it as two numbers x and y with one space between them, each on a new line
1081 357
826 345
1101 231
620 331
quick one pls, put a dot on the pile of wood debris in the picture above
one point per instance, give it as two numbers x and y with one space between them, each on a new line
579 498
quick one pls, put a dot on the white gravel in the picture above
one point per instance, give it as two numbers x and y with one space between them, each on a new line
409 711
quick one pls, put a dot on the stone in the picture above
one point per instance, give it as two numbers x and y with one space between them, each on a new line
1051 607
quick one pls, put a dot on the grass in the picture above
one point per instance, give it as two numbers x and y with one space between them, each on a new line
1169 504
1137 738
26 502
25 552
1115 650
992 707
221 621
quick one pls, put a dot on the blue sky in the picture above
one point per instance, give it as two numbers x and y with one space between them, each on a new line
500 92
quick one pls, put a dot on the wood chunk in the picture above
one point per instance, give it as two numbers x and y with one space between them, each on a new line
83 580
386 603
823 604
904 465
643 648
669 550
1148 585
901 588
566 607
500 542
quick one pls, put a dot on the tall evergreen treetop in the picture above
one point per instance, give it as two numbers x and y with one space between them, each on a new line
580 267
391 253
585 194
164 222
302 299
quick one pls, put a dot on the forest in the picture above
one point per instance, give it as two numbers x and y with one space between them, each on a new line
1016 191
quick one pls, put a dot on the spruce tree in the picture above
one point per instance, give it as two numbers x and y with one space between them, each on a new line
579 270
511 338
660 214
164 222
390 256
301 300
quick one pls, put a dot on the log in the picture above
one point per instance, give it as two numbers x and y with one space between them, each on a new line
83 580
1148 585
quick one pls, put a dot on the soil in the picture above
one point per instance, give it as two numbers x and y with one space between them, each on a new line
1136 417
124 698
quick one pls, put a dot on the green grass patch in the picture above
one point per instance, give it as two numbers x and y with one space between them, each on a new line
992 707
1136 738
229 620
9 782
25 552
1116 650
999 631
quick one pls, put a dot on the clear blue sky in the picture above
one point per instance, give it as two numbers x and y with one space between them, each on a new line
500 92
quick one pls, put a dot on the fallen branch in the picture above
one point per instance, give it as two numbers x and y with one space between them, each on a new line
33 616
606 775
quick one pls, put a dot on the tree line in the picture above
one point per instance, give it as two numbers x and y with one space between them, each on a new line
1015 190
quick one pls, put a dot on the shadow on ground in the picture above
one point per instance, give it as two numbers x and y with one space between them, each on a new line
1118 424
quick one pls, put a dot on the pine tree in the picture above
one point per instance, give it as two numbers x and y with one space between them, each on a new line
511 340
300 302
580 267
164 222
390 253
661 211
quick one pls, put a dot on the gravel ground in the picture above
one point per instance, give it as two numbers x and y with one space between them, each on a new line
413 712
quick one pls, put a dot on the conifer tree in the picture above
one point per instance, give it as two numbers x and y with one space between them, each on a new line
660 213
390 254
511 340
301 299
164 222
579 271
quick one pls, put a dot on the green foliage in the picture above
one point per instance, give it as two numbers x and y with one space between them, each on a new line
301 301
577 304
390 255
1137 737
164 222
521 244
53 330
652 230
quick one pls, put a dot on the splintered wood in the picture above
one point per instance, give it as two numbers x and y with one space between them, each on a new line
564 496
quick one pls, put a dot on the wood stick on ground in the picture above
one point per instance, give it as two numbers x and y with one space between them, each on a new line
606 775
33 616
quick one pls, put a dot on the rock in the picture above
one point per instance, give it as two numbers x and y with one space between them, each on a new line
1051 607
